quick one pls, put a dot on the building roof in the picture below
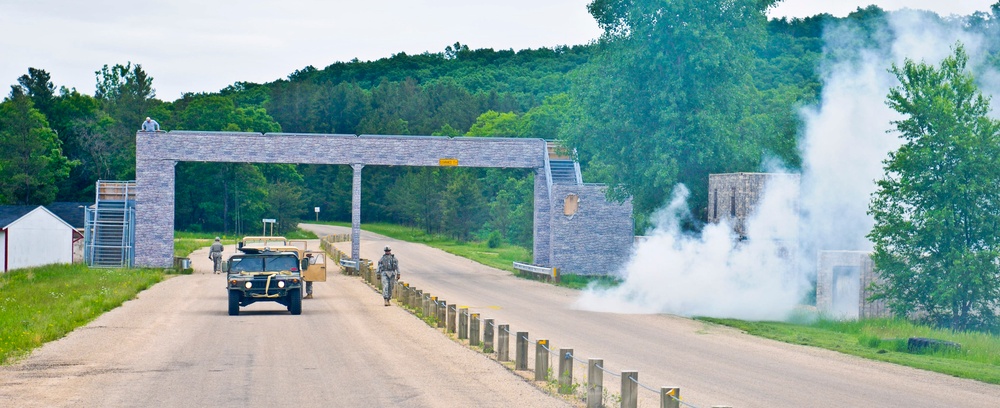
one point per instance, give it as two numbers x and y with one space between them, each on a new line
71 212
11 213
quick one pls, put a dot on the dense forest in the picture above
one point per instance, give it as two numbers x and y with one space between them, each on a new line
654 102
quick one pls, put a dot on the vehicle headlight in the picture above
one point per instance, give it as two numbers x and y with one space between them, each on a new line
249 284
281 284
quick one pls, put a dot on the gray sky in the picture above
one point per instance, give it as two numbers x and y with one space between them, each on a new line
204 46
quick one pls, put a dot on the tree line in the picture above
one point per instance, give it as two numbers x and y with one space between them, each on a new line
671 92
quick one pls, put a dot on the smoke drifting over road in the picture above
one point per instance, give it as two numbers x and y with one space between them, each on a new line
844 142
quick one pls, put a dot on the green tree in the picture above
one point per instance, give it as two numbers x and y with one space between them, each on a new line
31 158
126 94
285 204
667 99
937 210
416 198
463 205
492 123
37 84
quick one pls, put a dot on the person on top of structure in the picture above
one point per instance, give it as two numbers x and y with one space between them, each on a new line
388 273
150 125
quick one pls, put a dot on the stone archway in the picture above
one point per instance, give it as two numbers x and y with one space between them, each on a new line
157 153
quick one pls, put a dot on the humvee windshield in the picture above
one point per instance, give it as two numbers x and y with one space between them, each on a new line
263 264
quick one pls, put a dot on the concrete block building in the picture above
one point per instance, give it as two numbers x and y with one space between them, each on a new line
735 196
843 285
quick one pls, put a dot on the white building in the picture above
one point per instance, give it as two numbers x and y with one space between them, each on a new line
33 236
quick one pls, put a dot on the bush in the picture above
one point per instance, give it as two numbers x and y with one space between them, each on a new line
494 240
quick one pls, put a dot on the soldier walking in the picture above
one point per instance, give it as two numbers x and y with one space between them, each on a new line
388 273
215 254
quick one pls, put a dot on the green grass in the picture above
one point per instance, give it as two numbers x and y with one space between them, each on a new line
502 257
38 305
885 340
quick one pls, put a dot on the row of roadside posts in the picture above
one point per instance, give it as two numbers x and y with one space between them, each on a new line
495 339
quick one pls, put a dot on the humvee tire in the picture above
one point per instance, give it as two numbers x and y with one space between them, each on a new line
234 303
295 301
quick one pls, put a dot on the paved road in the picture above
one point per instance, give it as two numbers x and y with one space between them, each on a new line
175 346
713 365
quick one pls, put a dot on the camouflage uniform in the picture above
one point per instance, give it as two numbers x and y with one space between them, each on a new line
215 254
388 272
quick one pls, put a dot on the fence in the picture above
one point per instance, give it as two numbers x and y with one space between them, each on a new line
542 272
494 340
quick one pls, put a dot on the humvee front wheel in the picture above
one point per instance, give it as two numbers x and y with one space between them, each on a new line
295 301
234 303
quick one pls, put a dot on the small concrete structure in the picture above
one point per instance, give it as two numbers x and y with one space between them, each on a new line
843 285
582 216
735 196
33 236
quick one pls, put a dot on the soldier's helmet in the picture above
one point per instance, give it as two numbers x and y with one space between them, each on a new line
216 238
387 249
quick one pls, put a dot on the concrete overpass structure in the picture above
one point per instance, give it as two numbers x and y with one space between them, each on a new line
575 229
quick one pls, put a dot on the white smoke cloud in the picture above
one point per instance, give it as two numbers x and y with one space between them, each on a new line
846 138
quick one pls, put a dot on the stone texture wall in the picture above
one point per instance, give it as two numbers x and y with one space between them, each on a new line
734 196
595 239
609 228
825 284
542 242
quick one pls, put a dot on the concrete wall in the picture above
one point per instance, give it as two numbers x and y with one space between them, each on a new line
563 242
853 271
734 196
595 239
38 238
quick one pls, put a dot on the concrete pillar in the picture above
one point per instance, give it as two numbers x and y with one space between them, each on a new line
521 351
565 370
541 360
463 323
670 397
442 313
488 336
503 342
474 329
542 250
356 212
433 310
451 318
630 389
154 212
595 383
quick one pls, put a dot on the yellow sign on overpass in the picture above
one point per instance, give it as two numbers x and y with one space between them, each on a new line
447 162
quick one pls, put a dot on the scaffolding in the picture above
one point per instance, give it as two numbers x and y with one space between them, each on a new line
109 230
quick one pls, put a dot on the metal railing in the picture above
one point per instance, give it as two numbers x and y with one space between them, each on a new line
538 271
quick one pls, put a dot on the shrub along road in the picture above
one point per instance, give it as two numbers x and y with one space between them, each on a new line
175 346
713 365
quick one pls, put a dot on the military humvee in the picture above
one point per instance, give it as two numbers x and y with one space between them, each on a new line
315 272
265 275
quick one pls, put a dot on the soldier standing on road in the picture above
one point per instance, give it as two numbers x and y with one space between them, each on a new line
388 273
309 284
215 254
